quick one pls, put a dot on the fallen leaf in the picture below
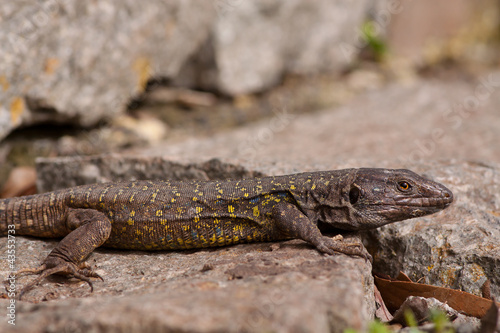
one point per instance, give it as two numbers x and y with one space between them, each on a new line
394 292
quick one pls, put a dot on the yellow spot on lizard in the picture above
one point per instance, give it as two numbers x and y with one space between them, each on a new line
230 208
153 197
159 212
256 211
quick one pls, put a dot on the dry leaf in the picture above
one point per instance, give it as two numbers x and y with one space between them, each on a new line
395 292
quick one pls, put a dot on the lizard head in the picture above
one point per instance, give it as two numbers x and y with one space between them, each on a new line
379 196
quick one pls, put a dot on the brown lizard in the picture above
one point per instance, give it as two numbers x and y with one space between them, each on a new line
165 215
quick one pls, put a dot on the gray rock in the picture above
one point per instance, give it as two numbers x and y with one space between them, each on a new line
254 43
244 288
81 62
71 62
63 172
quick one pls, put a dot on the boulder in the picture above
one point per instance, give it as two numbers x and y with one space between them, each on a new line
255 43
82 62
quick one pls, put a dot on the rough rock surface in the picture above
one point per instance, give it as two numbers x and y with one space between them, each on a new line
400 125
252 288
63 172
254 43
80 62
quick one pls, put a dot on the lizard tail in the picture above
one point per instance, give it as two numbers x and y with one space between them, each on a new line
34 215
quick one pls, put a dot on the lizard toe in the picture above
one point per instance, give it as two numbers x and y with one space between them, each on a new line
335 245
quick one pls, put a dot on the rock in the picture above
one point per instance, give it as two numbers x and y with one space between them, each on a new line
249 288
68 61
421 308
92 59
457 248
63 172
145 127
254 43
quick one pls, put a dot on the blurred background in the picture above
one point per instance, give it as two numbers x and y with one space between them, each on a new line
369 81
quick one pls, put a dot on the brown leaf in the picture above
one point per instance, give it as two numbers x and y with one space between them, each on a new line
382 312
395 292
486 289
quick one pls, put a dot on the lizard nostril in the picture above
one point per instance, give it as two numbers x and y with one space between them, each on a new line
447 195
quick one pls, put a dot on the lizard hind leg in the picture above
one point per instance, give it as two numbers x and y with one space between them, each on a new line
91 229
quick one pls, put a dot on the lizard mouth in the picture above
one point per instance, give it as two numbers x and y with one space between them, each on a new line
439 202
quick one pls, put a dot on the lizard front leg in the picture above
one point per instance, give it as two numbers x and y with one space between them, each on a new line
91 229
295 224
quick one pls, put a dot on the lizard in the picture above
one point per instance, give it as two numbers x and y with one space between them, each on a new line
173 215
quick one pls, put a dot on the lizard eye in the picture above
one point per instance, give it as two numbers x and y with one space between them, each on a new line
354 195
404 186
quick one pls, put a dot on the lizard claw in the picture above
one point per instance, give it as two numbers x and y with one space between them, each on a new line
86 270
58 266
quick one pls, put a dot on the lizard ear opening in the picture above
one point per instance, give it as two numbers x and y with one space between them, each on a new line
354 195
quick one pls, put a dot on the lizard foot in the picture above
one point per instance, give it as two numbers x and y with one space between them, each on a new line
54 265
335 245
